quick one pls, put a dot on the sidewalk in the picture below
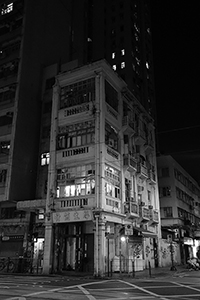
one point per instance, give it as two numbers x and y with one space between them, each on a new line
145 274
157 273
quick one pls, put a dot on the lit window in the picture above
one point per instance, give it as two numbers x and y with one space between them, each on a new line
147 65
45 159
123 65
6 8
123 52
113 55
114 67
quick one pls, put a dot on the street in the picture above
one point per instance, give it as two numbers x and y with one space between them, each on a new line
186 286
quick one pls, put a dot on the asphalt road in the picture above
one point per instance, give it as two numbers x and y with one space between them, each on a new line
183 287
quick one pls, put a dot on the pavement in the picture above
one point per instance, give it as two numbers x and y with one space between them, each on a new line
160 272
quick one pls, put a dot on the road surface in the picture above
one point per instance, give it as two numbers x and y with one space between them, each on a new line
184 287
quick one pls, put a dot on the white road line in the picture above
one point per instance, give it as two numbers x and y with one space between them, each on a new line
87 294
144 290
188 287
56 290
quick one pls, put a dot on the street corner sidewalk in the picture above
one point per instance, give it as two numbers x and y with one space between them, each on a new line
160 272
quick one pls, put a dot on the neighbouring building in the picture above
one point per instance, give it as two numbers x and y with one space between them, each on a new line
29 40
179 197
102 180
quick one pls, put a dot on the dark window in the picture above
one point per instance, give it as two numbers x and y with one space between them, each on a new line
111 96
78 93
167 212
3 174
49 83
6 119
111 137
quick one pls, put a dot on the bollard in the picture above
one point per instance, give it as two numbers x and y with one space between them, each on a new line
133 268
111 267
149 269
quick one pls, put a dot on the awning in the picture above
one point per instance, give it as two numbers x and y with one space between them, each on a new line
145 233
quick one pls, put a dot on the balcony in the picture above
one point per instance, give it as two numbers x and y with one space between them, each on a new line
144 214
128 125
149 146
140 137
142 171
154 217
130 162
151 177
131 209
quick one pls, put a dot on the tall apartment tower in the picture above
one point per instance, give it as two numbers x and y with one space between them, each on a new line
29 40
120 32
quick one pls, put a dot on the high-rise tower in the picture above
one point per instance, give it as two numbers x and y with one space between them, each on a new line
120 32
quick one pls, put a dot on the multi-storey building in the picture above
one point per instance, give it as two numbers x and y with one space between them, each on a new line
180 206
30 42
101 175
26 46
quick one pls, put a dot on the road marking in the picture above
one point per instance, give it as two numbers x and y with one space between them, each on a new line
56 290
144 290
87 294
188 287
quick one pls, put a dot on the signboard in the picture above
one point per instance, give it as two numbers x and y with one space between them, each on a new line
128 229
72 216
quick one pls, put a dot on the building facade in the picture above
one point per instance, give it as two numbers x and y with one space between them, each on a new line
179 207
25 48
33 50
102 177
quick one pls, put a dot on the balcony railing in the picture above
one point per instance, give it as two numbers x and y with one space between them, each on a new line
128 124
154 217
144 214
151 176
142 171
131 209
130 162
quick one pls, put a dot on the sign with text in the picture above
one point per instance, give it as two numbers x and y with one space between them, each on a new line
72 216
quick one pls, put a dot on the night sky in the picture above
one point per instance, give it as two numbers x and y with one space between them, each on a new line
176 49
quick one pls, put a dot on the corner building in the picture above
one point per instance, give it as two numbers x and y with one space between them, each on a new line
102 180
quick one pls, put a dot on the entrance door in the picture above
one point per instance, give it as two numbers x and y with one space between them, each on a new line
77 249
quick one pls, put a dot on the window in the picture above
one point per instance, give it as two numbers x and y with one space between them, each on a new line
111 96
167 212
6 119
147 65
6 8
165 191
112 182
76 181
3 174
122 65
149 197
113 55
111 137
76 135
123 52
45 157
4 147
49 83
114 67
78 93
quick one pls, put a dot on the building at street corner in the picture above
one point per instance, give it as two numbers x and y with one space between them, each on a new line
102 205
180 211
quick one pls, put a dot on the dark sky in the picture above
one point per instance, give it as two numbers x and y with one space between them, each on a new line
176 49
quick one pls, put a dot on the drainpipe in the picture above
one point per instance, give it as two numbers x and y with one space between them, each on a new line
98 171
